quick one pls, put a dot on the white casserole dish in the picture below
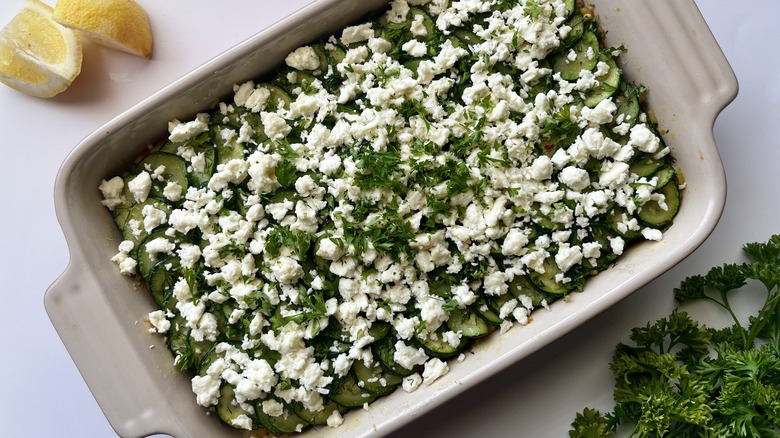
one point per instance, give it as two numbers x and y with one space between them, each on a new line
99 313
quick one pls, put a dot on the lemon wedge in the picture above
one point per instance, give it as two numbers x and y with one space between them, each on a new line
38 56
117 24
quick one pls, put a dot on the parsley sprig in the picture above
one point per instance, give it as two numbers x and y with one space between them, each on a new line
683 379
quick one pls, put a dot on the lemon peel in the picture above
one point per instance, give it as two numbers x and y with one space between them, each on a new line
116 24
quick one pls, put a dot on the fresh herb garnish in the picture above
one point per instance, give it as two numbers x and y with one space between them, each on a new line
683 379
388 233
281 237
533 9
378 170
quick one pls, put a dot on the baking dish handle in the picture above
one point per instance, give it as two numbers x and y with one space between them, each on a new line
138 409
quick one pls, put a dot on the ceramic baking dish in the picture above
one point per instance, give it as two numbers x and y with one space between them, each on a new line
99 313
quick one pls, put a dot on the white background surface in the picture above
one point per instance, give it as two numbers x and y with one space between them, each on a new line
41 391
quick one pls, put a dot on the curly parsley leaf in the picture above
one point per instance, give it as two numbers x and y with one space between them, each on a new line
679 378
590 423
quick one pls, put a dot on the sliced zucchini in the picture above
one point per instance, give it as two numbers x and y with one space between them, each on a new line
586 50
231 332
228 410
485 312
304 80
468 323
197 176
395 32
651 213
145 261
230 150
456 42
601 233
349 394
201 350
608 82
546 282
379 329
520 286
497 302
178 343
319 49
665 175
286 422
375 378
175 171
335 55
615 217
427 21
317 418
627 102
645 165
278 98
384 352
468 37
543 220
133 229
570 6
577 24
161 281
435 345
202 366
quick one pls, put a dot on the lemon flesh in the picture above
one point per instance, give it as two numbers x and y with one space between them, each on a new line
38 56
117 24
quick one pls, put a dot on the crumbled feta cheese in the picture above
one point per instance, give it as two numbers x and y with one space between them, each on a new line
140 186
601 113
126 263
415 48
153 217
242 92
617 243
399 10
408 357
180 132
303 58
286 270
328 250
273 408
418 26
159 245
335 419
574 177
126 246
541 168
356 34
206 389
275 126
652 234
242 422
643 139
159 323
112 192
172 191
434 368
613 174
568 256
411 382
255 101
